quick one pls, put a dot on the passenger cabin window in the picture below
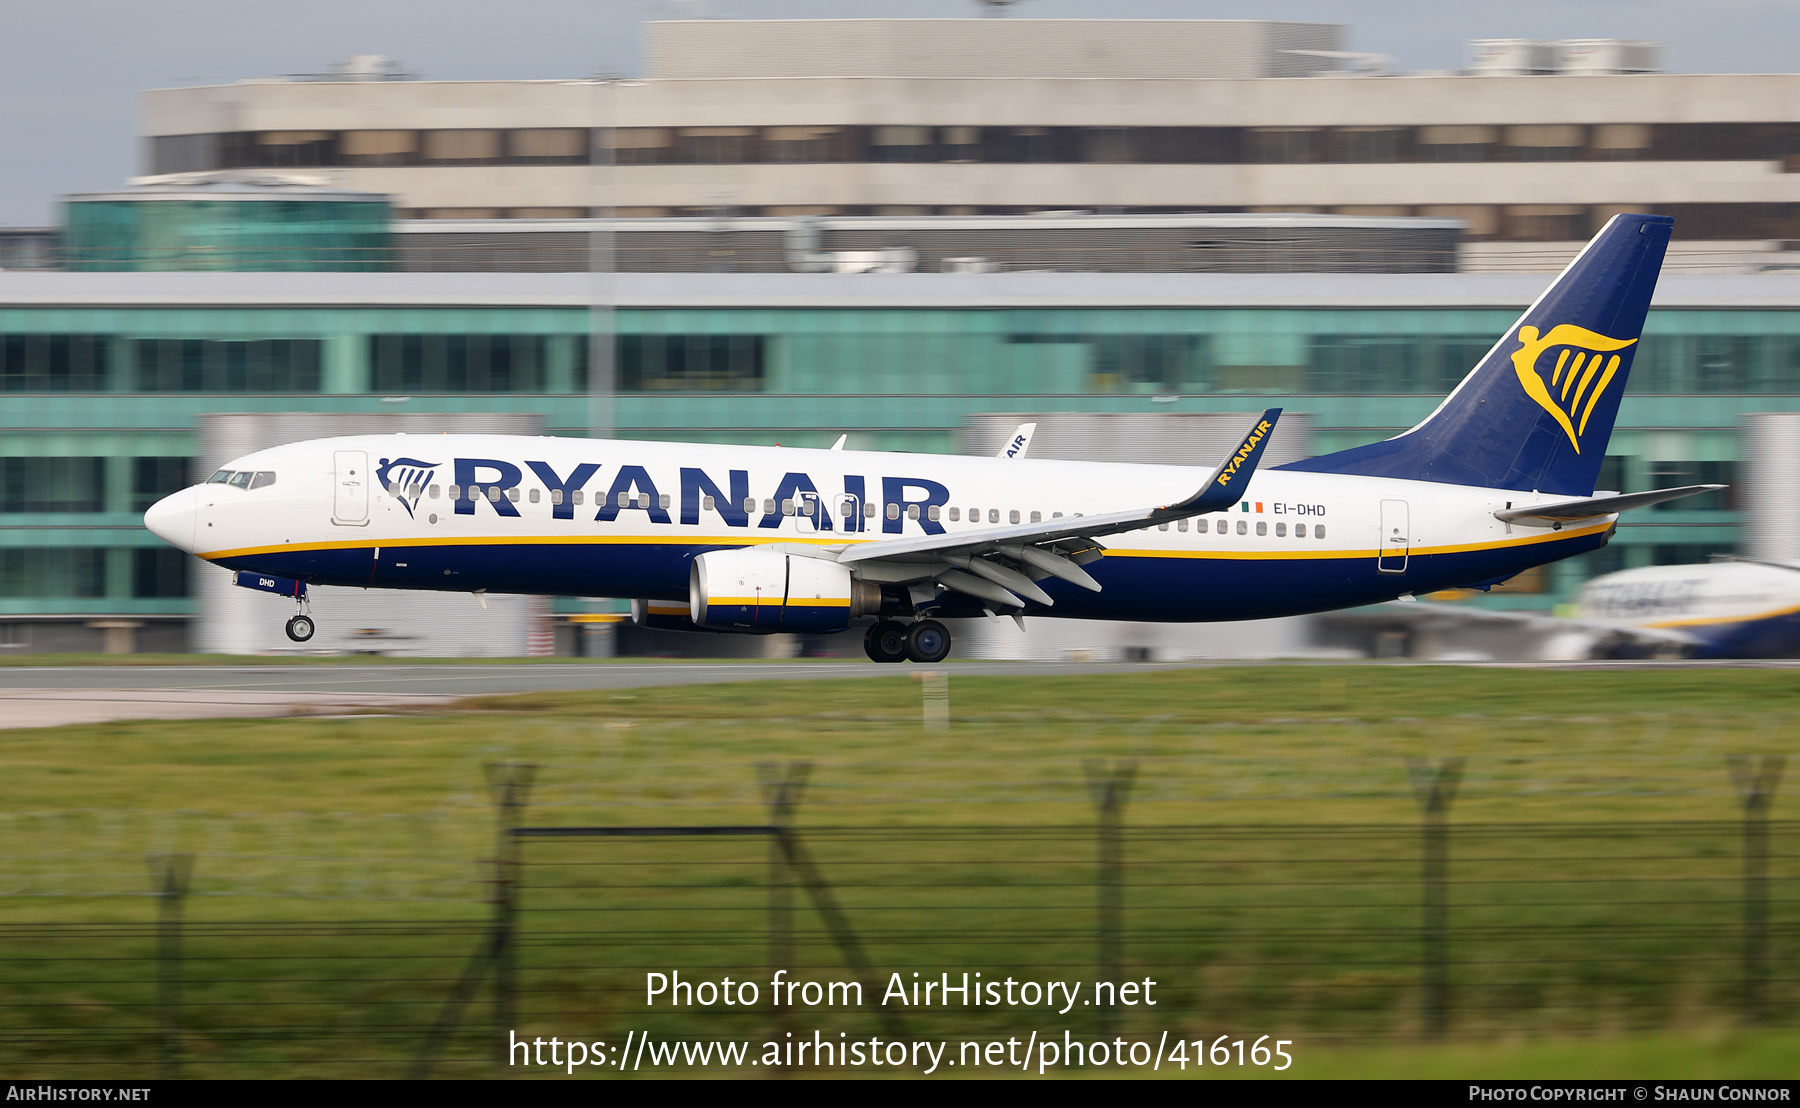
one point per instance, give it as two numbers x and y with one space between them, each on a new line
1318 530
1281 530
708 503
493 494
1200 526
1012 516
1162 527
750 505
955 514
787 507
556 496
893 511
1037 517
455 492
433 492
263 479
768 507
512 494
993 515
869 510
912 511
1181 525
534 496
931 513
662 501
1243 528
578 495
1262 528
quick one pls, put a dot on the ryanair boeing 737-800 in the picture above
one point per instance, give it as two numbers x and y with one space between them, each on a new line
757 540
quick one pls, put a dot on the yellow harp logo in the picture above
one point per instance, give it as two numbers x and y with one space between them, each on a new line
1567 389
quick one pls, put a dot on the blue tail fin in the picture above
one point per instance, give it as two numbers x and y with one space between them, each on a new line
1537 411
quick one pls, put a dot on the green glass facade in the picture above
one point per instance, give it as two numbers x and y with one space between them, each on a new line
227 235
100 404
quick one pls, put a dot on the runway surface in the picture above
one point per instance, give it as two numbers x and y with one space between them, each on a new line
34 696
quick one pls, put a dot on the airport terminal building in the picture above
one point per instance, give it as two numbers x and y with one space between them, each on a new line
890 277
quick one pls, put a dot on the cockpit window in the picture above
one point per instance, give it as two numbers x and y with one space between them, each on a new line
219 478
240 479
263 479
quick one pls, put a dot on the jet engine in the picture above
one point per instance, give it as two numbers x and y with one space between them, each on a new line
763 591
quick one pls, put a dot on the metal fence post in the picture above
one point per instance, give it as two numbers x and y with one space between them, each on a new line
509 787
1109 784
1435 786
1755 785
170 875
781 789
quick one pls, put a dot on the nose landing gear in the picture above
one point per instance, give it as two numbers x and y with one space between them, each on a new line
892 641
300 628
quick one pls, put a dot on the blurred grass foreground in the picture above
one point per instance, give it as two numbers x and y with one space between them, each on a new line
313 897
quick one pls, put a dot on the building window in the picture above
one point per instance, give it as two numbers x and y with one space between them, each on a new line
184 153
154 478
548 146
376 148
1455 144
1547 223
52 571
901 144
294 149
53 363
462 147
212 365
639 145
158 572
1370 144
691 363
1674 475
1545 142
457 363
805 144
715 145
1281 145
52 484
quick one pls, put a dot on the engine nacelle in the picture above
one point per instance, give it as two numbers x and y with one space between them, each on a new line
764 591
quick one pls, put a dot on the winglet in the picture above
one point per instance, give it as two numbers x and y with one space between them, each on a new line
1226 486
1019 443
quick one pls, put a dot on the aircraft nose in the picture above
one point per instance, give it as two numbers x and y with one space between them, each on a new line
171 519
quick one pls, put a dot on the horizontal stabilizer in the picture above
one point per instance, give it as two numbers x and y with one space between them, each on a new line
1601 505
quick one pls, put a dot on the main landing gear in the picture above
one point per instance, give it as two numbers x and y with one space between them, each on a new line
892 641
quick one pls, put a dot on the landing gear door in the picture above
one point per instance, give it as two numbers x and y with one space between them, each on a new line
1395 538
350 488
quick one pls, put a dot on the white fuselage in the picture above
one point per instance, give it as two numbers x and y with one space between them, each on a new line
378 511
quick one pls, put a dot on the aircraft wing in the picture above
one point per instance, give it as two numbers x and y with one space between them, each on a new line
1600 505
1000 564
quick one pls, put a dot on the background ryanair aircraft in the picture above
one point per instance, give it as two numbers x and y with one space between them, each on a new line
1498 479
